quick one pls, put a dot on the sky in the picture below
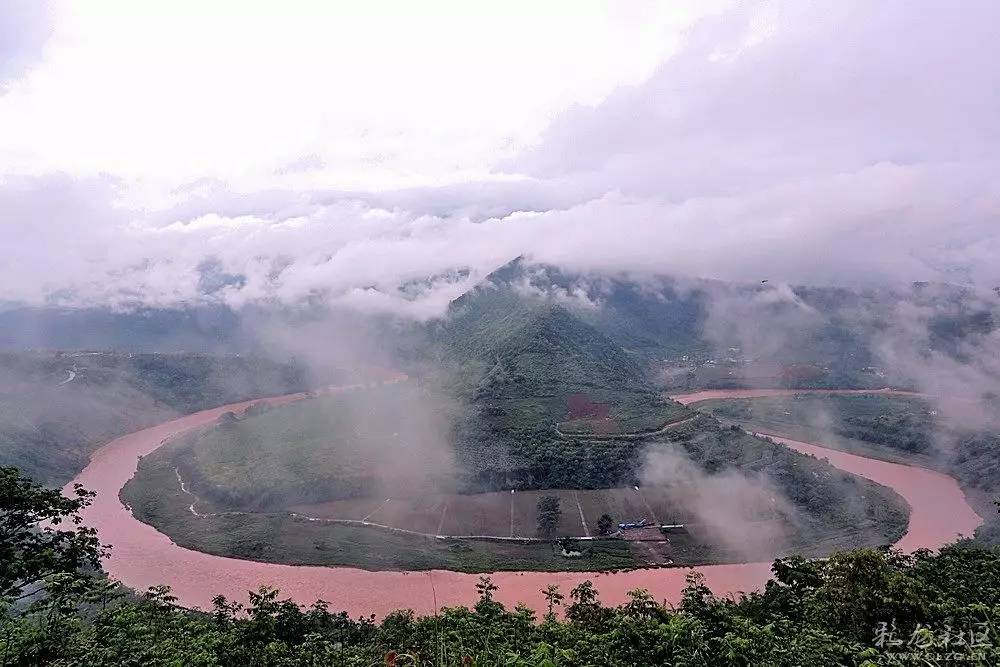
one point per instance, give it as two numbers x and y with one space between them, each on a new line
175 153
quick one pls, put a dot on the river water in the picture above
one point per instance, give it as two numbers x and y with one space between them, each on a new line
142 557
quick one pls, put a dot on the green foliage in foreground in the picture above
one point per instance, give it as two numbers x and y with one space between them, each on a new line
29 556
865 607
859 608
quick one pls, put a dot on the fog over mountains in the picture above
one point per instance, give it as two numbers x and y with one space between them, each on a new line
784 184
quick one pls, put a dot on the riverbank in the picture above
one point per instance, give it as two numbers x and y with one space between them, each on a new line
143 557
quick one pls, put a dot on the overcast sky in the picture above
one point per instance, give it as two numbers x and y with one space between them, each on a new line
178 152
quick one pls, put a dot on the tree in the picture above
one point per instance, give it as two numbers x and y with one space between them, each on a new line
586 608
258 408
548 515
864 607
553 598
605 524
487 606
41 535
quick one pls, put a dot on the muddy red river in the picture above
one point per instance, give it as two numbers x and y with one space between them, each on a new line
142 557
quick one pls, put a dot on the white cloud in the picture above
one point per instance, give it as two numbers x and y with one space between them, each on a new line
835 143
24 27
826 88
378 93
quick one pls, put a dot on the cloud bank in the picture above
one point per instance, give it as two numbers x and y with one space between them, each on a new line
25 25
839 143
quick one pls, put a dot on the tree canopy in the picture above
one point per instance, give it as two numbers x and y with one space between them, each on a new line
41 535
548 515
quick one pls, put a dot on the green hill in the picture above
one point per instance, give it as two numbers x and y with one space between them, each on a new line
541 350
525 367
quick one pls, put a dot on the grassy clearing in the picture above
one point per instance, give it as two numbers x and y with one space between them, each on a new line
331 447
502 513
635 415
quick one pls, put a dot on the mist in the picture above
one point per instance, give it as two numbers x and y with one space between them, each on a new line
410 447
744 515
760 144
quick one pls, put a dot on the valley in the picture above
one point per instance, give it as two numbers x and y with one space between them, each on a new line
143 556
520 402
525 439
513 401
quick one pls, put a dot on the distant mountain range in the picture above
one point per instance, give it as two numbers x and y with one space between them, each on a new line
694 333
201 329
671 331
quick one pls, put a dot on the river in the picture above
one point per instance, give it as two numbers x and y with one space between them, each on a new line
142 556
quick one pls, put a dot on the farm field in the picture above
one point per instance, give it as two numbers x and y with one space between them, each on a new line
359 443
279 538
502 513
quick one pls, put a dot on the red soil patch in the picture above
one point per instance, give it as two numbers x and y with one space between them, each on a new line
579 406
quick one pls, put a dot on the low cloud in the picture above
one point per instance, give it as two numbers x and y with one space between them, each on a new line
747 516
761 323
781 142
948 350
25 25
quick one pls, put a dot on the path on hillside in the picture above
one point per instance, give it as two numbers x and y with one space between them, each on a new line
638 435
711 394
143 557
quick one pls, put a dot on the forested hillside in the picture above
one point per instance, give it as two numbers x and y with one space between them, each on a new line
525 370
709 333
521 395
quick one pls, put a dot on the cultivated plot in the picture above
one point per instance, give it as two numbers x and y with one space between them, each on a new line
504 514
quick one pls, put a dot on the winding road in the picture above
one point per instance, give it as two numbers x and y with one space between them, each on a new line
143 557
